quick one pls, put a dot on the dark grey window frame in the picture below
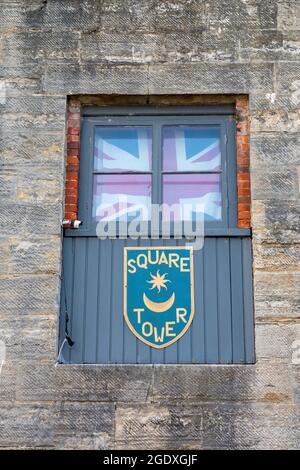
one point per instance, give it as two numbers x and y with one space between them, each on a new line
157 117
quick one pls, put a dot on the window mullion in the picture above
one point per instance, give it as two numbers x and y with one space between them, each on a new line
156 164
208 172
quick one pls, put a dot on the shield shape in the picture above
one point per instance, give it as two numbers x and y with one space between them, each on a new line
158 293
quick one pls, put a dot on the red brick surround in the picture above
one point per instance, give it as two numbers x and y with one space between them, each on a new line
73 155
243 163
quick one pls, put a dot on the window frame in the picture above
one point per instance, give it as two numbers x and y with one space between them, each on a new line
157 117
89 210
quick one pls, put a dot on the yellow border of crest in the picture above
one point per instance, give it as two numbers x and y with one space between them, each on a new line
190 249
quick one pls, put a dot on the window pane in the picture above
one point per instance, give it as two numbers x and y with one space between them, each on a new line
116 197
191 148
195 194
123 149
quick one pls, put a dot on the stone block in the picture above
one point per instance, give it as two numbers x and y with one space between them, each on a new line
29 71
207 426
276 257
278 120
122 48
288 80
23 295
34 256
242 15
92 423
27 426
210 78
22 87
32 47
288 15
274 342
93 79
17 122
31 219
276 221
8 379
132 16
234 384
274 150
31 338
277 295
40 183
84 383
205 46
8 184
273 103
267 46
69 15
274 184
38 148
57 425
35 104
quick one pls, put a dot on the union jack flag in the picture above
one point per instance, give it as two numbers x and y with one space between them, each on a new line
127 150
193 149
122 150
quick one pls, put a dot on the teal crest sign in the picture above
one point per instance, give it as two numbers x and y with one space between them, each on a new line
158 293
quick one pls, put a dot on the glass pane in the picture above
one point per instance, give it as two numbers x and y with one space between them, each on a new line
191 148
195 194
123 149
117 197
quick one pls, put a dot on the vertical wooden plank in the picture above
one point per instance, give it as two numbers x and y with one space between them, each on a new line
198 324
248 300
130 341
143 350
237 301
171 352
117 324
185 342
211 301
104 301
67 295
157 355
91 309
78 299
224 300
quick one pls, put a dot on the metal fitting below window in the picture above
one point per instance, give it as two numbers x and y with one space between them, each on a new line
72 223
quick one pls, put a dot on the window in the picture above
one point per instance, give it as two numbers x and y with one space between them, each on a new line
122 172
192 170
183 161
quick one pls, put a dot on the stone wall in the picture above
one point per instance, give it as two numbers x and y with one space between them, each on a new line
50 49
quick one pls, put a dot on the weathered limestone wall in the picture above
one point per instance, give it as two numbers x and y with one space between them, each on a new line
51 49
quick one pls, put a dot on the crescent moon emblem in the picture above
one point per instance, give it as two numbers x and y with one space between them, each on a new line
159 307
